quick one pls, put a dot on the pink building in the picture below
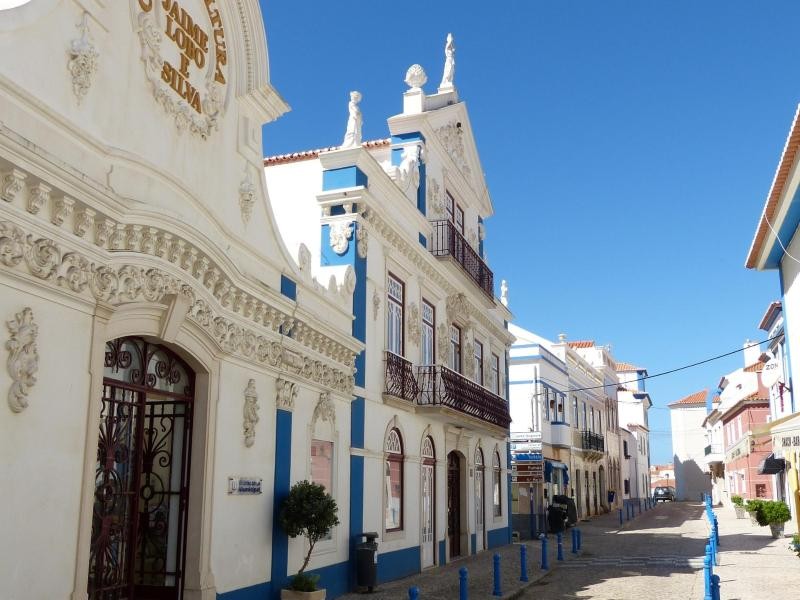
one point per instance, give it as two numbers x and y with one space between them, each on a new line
744 450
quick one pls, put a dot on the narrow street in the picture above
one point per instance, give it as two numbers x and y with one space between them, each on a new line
658 555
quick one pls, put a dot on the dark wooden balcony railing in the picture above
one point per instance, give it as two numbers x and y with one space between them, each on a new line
448 241
440 386
592 441
713 449
400 380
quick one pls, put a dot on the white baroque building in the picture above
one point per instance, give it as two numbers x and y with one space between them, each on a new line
426 436
167 361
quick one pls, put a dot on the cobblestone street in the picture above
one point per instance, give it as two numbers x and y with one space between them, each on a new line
657 556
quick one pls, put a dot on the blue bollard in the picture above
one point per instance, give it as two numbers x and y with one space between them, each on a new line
716 529
462 584
715 587
560 546
575 536
496 591
628 511
545 564
413 593
707 575
523 563
620 517
580 540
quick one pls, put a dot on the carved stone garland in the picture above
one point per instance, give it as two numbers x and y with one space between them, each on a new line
443 343
452 137
247 198
324 410
287 393
23 358
341 232
82 63
414 329
250 413
435 199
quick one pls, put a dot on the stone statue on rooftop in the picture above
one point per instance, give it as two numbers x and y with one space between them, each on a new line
449 63
504 292
352 136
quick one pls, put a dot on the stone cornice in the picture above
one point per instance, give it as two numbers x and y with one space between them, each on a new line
240 324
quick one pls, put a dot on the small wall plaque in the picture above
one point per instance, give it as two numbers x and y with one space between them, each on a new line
244 486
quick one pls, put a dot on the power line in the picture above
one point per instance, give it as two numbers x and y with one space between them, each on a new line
670 371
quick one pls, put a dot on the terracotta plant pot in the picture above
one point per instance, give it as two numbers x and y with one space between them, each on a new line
776 529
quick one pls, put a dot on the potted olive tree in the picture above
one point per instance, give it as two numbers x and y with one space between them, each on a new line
774 513
738 506
307 511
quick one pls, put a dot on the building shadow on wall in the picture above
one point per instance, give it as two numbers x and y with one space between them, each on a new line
691 482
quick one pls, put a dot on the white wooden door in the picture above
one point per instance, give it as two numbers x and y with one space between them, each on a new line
427 536
479 510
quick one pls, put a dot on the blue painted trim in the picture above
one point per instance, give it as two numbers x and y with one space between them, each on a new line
508 491
423 240
442 553
421 189
253 592
288 288
522 382
786 346
397 564
480 243
328 256
337 209
473 544
397 156
283 467
497 537
515 346
357 422
356 511
411 136
558 366
334 578
344 177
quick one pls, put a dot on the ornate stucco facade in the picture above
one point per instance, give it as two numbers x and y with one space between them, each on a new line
167 358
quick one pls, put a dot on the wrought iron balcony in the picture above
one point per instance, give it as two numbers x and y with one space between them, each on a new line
448 241
440 386
592 441
400 380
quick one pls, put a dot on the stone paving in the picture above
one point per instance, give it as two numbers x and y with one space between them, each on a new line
658 555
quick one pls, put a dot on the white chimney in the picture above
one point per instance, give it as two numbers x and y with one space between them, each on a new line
752 352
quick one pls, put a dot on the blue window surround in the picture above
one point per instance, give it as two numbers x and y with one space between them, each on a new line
288 288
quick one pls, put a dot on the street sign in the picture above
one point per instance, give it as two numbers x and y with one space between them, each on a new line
526 457
526 446
770 374
526 436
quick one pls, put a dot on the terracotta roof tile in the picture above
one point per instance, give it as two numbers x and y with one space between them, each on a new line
772 310
280 159
696 399
623 366
758 396
581 344
755 367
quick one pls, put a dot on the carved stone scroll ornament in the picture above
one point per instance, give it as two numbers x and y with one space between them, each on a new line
250 413
341 232
287 393
376 304
39 196
82 63
362 240
12 184
23 358
452 137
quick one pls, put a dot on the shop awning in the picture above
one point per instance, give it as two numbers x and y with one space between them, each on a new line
549 465
771 465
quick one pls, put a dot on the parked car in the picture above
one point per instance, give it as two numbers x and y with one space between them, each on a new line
664 493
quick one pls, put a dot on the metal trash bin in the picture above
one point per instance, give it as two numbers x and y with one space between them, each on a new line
367 562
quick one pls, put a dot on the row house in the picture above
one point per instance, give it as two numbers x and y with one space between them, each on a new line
423 459
776 247
689 443
634 403
167 357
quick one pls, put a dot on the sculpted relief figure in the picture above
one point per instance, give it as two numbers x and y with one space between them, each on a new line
352 136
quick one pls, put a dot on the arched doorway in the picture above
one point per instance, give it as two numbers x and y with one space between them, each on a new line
594 491
588 506
480 502
454 503
138 540
579 507
428 521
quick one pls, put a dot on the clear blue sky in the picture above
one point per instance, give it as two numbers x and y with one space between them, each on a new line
628 147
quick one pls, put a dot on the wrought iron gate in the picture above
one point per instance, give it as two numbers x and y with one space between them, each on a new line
454 504
142 475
